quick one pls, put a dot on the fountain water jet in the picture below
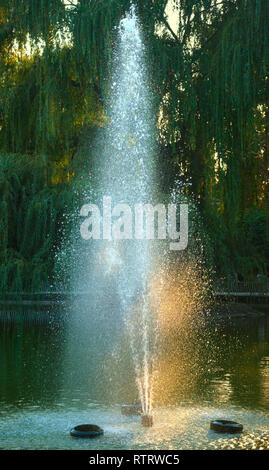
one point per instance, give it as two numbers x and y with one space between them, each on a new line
115 273
135 286
128 175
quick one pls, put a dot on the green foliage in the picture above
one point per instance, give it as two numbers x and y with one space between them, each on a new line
210 79
31 213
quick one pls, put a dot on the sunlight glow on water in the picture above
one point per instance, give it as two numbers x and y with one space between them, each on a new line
174 428
38 408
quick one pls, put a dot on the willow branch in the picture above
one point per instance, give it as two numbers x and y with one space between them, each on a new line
69 2
165 22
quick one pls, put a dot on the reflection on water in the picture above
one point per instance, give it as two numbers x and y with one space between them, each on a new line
223 363
219 370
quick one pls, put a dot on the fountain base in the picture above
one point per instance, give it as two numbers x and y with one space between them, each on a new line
224 426
86 430
147 421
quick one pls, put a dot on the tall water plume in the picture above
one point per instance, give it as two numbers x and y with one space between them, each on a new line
113 274
127 285
127 176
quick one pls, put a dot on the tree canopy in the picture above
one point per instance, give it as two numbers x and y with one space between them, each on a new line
210 78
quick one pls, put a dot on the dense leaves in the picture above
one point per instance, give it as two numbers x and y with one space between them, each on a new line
209 71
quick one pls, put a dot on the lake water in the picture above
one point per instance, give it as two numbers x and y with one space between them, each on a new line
221 371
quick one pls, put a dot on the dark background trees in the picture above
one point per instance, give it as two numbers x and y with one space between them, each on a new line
210 78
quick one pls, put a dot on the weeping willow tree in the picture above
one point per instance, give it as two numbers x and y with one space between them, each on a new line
208 62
